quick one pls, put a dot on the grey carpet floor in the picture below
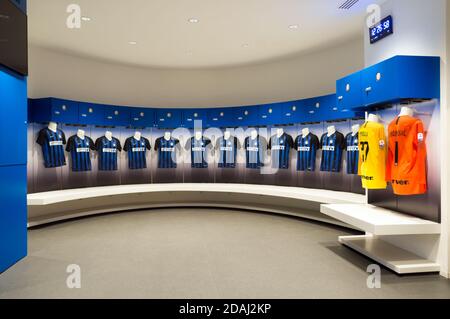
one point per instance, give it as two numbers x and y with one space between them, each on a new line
202 253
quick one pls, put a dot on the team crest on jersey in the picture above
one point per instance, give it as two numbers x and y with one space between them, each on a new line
306 143
171 144
381 143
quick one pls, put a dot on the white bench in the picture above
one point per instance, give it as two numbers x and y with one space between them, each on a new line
384 229
60 205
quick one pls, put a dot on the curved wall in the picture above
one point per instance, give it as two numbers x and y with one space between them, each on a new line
313 74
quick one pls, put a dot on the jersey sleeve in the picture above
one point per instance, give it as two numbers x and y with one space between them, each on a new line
119 146
322 139
91 144
296 142
341 141
41 137
63 137
419 144
177 144
147 144
269 146
70 145
290 141
157 144
98 143
390 159
127 146
316 142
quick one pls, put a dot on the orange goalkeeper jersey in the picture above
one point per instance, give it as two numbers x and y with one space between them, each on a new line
406 165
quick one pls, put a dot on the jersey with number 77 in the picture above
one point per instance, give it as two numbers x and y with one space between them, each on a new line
372 155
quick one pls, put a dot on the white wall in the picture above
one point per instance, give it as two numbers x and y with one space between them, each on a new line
313 74
410 36
430 39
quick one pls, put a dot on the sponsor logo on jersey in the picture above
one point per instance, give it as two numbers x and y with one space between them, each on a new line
198 149
420 137
381 143
304 149
226 148
55 143
400 182
278 147
328 148
252 149
83 150
396 133
138 149
167 149
109 150
353 148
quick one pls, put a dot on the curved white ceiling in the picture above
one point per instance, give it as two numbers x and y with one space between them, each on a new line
229 32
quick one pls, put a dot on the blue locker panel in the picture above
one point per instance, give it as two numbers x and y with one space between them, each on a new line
292 112
13 119
270 114
349 92
13 214
401 77
221 117
116 115
169 118
314 109
90 114
142 117
21 4
331 111
56 110
247 116
192 115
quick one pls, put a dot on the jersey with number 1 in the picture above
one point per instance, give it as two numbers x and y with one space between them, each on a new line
372 155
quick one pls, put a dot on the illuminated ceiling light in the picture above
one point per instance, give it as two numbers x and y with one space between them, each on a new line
194 20
132 42
86 19
293 26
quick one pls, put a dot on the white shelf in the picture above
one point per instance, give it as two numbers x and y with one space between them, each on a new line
379 221
390 256
306 194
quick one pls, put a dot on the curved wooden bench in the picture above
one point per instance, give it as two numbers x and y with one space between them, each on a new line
61 205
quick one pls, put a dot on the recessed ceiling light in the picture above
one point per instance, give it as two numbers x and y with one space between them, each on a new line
86 19
194 20
132 42
245 45
293 26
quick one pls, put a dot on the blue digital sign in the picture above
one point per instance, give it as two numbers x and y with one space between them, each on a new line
381 30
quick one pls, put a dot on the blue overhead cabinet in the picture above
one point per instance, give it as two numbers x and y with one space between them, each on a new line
192 115
169 118
116 115
292 112
221 117
270 114
90 114
142 117
54 110
315 109
349 93
247 116
401 78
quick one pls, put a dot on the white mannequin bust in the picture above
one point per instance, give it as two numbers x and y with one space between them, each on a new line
254 134
52 126
81 134
355 129
406 111
331 130
373 118
305 132
227 135
167 136
137 136
280 132
198 135
108 135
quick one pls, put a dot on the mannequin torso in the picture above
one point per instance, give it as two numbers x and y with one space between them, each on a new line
108 135
167 136
305 132
52 126
280 132
406 111
81 134
137 136
331 130
373 118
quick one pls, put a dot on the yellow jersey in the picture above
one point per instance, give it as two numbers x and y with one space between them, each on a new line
372 156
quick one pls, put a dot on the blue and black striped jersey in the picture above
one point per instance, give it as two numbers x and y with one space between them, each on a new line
281 150
227 151
306 152
80 151
167 152
332 149
52 144
254 152
198 150
351 142
107 153
137 151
